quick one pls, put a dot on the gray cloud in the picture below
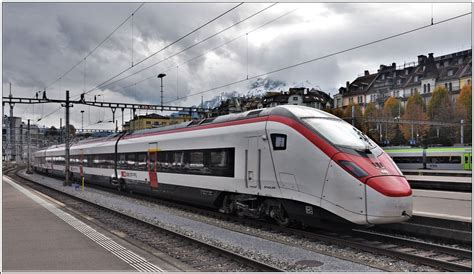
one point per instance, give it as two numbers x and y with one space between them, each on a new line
43 40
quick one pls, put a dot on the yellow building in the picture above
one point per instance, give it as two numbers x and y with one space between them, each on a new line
155 120
465 81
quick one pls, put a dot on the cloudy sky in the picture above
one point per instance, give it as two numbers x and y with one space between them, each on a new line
41 41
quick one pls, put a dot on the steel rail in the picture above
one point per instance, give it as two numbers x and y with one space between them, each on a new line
353 239
260 266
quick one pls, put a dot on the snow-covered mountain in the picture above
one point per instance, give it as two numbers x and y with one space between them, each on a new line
258 88
216 101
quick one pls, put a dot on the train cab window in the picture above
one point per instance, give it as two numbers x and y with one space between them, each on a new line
278 141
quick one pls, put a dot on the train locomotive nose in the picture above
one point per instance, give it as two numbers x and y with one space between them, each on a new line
390 186
388 196
389 199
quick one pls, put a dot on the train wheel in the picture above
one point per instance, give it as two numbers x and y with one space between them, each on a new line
121 186
280 216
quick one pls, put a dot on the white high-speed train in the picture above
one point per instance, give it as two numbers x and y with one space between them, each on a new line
289 163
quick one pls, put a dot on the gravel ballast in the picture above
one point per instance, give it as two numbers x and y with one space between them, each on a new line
285 252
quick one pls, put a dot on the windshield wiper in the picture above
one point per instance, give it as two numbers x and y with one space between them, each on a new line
366 140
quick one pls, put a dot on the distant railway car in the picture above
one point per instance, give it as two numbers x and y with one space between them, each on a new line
288 163
443 158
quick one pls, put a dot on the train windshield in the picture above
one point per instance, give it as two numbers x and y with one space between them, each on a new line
341 133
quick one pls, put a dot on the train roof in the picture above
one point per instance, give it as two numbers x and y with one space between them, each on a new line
285 110
291 111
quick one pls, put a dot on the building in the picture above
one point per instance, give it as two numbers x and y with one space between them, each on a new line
15 139
358 92
155 120
294 96
299 96
451 71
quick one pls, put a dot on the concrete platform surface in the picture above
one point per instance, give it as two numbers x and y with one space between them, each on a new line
39 236
443 204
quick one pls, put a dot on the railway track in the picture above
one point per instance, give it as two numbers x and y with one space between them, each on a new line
415 251
194 252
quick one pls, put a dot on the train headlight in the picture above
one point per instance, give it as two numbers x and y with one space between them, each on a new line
352 168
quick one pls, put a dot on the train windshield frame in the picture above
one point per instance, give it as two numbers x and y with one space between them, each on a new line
340 133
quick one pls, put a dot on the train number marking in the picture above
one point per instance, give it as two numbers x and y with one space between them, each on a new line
309 210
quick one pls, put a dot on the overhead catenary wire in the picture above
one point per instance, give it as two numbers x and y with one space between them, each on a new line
96 47
187 48
206 52
89 54
162 49
324 56
146 58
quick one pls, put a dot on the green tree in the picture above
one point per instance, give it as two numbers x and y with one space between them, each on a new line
415 110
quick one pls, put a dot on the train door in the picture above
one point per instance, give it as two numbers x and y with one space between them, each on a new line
253 158
152 159
468 161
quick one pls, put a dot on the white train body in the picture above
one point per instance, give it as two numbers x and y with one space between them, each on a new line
270 162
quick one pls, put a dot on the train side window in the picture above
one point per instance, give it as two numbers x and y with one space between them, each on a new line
455 159
141 161
178 160
84 160
111 160
445 160
131 161
278 141
218 158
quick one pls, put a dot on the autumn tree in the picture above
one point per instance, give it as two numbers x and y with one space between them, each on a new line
338 112
415 111
441 109
464 103
392 110
370 128
464 110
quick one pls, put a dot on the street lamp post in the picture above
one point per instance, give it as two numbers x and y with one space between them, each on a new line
161 75
82 120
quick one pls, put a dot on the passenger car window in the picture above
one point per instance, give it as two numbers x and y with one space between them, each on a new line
278 141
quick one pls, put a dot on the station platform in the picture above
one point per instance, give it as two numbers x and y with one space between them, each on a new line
443 179
38 235
455 206
444 183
